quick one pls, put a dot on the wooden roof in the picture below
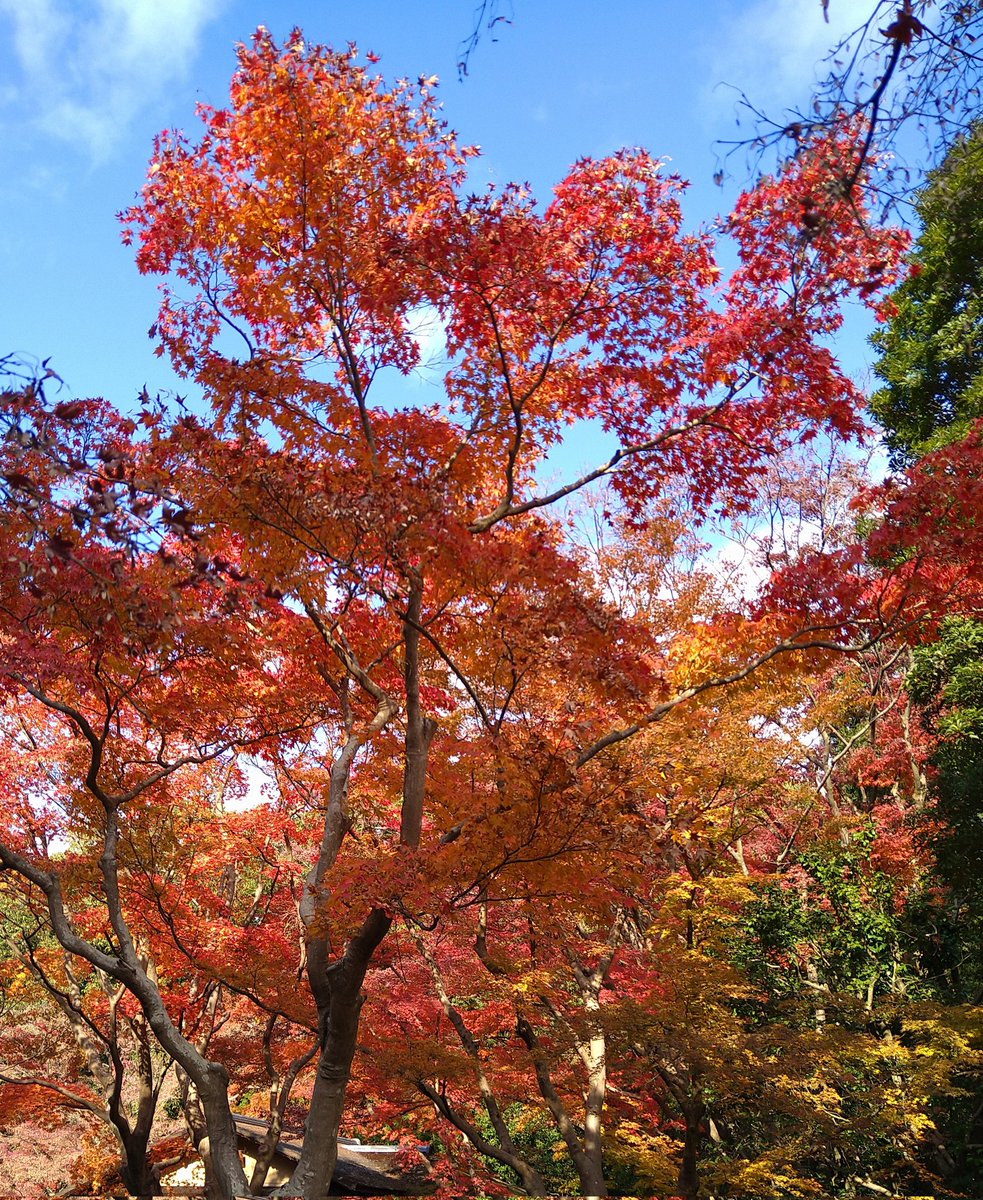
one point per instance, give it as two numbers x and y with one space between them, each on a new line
361 1170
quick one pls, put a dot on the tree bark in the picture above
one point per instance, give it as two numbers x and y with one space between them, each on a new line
689 1174
588 1165
337 986
280 1089
343 981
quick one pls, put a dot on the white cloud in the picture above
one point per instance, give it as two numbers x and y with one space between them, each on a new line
427 329
773 51
87 68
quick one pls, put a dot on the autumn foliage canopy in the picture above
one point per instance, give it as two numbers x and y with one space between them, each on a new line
349 777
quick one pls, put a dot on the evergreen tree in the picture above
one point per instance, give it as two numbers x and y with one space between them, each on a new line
931 351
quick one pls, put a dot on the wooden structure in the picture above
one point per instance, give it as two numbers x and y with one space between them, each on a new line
360 1171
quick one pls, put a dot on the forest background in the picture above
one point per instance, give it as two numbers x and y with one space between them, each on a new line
375 765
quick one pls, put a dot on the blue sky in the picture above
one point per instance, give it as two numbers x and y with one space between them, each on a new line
85 84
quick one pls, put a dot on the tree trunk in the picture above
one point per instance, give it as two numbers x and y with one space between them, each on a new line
213 1134
281 1085
689 1172
140 1176
339 1037
337 986
224 1174
588 1164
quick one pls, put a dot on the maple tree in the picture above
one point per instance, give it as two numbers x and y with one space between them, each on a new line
99 645
836 814
782 1071
68 1016
382 604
